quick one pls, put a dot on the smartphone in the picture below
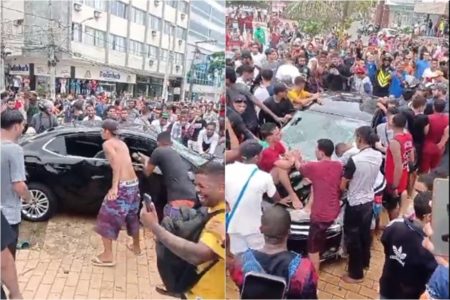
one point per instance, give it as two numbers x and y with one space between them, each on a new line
148 202
440 216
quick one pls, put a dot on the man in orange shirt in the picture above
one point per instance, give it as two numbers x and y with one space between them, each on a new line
299 97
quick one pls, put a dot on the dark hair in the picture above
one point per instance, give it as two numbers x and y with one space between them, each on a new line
211 124
439 105
399 120
109 108
367 135
212 168
418 101
422 204
230 74
266 74
9 118
267 129
326 146
275 224
279 88
299 79
164 137
428 179
392 111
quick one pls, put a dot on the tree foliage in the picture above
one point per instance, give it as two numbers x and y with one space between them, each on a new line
322 15
217 62
256 4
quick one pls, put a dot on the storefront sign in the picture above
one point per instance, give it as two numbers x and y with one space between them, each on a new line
104 75
19 69
44 70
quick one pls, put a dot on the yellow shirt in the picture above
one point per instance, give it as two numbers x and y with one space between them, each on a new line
297 96
212 283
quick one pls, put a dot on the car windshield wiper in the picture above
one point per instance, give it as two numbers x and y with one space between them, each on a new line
295 123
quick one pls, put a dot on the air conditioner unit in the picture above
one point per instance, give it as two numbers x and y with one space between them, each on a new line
18 22
150 62
156 2
180 42
77 6
97 14
153 33
177 68
183 15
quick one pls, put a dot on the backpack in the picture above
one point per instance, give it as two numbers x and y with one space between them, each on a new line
178 275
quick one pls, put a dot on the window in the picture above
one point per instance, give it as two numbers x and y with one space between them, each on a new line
119 9
117 43
135 144
202 5
183 7
94 37
197 27
84 145
97 4
164 54
179 58
152 52
181 33
168 28
76 32
136 48
172 3
137 16
154 23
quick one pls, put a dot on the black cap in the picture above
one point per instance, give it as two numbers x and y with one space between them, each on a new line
238 98
111 126
250 149
246 54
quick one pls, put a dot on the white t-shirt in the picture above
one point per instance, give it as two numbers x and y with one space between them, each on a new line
212 141
258 59
261 93
287 70
247 218
157 126
96 118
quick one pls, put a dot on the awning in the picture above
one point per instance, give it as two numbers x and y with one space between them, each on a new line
439 8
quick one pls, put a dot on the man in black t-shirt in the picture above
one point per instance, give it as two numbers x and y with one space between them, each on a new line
9 272
408 265
279 104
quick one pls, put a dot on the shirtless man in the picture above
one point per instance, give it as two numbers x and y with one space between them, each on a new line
121 204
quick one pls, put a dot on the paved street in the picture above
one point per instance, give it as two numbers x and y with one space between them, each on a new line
332 287
58 266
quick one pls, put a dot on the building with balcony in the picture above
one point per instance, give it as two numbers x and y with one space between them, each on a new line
206 36
118 45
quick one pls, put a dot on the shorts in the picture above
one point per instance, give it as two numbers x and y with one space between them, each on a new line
317 236
124 210
389 201
172 209
240 243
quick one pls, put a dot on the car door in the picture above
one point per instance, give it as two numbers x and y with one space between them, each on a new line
83 179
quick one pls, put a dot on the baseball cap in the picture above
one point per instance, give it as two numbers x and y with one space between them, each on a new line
246 54
250 149
110 125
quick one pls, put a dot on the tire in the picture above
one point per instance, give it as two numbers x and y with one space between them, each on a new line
46 206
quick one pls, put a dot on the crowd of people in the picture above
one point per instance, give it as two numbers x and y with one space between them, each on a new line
197 125
274 70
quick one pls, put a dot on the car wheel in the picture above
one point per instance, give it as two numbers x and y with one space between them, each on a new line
42 204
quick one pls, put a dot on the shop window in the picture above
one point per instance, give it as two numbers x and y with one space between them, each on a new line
154 23
117 43
119 9
152 52
137 16
76 32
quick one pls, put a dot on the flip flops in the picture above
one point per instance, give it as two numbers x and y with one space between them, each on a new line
132 250
97 262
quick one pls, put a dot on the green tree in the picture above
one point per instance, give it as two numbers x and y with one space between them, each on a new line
257 4
217 62
322 15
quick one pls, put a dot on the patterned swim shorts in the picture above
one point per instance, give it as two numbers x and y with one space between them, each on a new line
125 209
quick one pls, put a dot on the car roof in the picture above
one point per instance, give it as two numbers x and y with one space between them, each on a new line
346 105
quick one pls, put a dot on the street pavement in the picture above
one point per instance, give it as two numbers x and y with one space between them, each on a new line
58 264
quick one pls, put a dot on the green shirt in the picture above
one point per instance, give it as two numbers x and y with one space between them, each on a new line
264 144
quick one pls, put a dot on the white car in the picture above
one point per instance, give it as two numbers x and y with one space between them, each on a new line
388 32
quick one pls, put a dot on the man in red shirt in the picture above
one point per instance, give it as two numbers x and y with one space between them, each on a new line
436 139
398 156
325 175
277 161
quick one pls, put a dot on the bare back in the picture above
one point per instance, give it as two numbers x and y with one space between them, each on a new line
118 155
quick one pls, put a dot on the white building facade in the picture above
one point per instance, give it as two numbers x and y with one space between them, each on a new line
206 35
117 45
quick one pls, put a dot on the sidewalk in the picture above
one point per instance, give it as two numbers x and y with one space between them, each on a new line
61 268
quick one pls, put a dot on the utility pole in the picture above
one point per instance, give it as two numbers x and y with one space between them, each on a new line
51 54
2 51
